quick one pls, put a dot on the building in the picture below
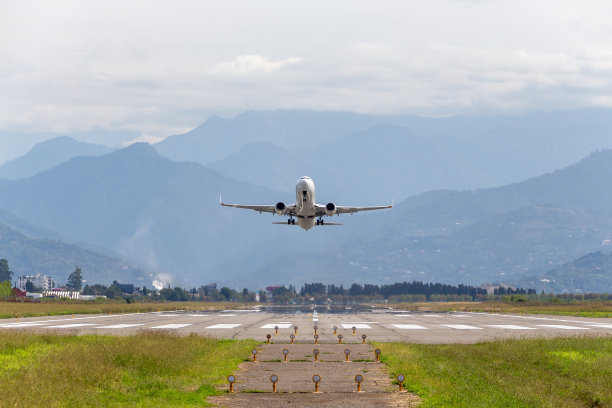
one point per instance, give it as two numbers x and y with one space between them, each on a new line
62 293
43 282
126 288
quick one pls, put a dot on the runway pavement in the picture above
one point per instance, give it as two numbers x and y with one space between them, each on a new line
377 325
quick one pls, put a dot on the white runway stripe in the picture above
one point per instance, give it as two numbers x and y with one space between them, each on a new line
403 315
197 315
223 326
68 326
410 327
280 325
227 315
16 325
560 326
461 327
460 315
511 327
602 325
356 325
172 326
120 326
431 315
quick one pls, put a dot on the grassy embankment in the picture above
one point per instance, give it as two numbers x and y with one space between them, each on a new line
589 308
65 307
144 370
559 372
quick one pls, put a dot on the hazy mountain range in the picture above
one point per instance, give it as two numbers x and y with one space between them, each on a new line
164 215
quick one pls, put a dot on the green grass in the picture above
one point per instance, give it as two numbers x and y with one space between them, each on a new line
142 370
558 372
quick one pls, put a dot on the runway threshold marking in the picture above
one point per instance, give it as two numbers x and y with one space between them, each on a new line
172 326
560 326
356 325
10 325
461 327
280 325
602 325
224 326
410 327
120 326
511 327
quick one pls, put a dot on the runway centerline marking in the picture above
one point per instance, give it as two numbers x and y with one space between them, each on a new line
120 326
68 326
560 326
227 315
461 327
197 315
511 327
410 327
403 315
172 326
431 315
224 326
272 325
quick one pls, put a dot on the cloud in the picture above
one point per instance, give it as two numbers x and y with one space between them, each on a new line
252 64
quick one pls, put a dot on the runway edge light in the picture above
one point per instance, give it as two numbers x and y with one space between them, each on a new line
400 380
274 379
359 380
316 379
231 379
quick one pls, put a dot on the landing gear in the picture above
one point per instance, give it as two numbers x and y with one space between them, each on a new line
291 221
320 221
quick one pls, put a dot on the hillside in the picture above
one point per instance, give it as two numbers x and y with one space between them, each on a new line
48 154
57 259
589 273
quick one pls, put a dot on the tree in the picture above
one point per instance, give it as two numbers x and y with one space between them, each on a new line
226 292
5 273
75 280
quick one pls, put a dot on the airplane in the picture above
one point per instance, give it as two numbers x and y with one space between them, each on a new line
305 209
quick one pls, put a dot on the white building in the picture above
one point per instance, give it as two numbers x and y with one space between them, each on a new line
62 293
40 281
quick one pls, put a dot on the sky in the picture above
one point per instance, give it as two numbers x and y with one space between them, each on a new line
143 70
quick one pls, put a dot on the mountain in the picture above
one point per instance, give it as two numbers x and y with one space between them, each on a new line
392 157
217 138
48 154
57 259
497 234
589 273
148 209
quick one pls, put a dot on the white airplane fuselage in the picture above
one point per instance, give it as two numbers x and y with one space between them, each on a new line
305 202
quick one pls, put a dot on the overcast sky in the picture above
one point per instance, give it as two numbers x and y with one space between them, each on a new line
162 67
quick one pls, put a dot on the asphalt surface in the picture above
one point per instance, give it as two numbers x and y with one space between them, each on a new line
377 325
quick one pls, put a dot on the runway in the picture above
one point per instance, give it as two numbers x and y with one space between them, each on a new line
377 325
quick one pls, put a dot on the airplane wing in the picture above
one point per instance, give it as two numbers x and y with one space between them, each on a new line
350 210
262 208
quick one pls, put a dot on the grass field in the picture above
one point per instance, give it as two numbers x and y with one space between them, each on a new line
589 308
144 370
559 372
63 307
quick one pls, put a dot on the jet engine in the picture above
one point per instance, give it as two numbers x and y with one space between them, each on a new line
330 209
280 208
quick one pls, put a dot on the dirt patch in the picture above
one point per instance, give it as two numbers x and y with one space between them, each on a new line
295 387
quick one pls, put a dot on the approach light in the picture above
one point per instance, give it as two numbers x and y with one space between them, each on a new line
315 353
354 328
268 336
363 337
274 379
285 353
292 337
339 339
231 379
347 353
295 329
275 329
316 337
335 329
254 352
359 380
377 352
400 380
316 379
